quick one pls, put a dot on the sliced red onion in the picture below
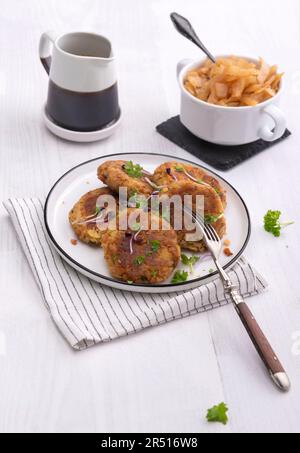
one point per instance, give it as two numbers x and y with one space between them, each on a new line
91 219
206 256
90 216
152 184
132 239
136 235
153 195
169 171
94 220
145 172
189 176
194 179
131 245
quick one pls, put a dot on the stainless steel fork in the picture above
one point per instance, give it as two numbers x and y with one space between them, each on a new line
257 336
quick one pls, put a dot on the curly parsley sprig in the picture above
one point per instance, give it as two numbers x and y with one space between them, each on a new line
134 170
180 277
218 414
272 223
190 261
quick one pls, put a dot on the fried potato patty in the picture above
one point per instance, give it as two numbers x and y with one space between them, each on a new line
114 174
169 172
200 246
84 216
143 256
213 211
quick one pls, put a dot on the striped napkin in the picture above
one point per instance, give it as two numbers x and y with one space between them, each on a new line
87 313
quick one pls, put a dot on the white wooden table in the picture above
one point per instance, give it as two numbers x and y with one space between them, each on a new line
164 379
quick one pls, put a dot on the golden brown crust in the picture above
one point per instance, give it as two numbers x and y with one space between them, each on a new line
146 263
84 210
212 207
193 246
212 202
166 173
114 176
156 265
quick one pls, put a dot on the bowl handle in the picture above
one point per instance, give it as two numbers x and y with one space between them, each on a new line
280 124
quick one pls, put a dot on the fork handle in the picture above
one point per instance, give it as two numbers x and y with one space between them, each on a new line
263 346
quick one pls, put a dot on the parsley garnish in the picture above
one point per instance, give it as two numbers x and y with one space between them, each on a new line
180 277
139 201
97 210
166 214
189 261
136 171
272 223
139 260
179 169
154 274
212 218
136 227
155 246
218 414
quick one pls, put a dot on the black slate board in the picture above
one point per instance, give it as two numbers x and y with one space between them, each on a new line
219 157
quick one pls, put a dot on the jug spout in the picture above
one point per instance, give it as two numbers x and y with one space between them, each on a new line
93 46
101 61
86 45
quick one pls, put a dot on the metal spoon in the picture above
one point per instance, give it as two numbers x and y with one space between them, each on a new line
184 27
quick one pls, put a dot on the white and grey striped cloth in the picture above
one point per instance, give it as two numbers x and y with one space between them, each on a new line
87 313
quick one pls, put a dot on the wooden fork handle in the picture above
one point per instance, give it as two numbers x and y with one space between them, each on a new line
263 347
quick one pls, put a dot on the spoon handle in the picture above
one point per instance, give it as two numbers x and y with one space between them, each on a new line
184 27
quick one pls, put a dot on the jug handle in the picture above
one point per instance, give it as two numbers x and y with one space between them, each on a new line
45 49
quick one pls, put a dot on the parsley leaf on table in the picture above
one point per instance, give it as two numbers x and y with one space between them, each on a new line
272 223
218 414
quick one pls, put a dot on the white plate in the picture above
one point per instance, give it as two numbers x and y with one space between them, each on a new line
81 137
90 261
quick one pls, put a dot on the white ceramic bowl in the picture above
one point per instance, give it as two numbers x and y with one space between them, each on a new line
229 125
